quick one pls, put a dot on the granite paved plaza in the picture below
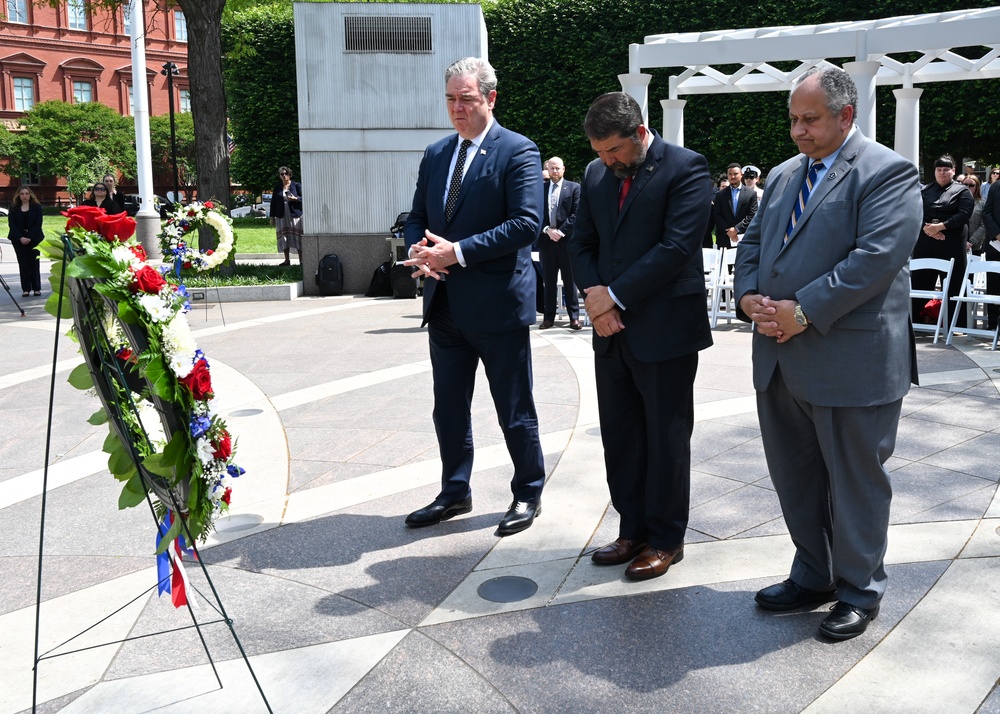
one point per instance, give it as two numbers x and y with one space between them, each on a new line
342 609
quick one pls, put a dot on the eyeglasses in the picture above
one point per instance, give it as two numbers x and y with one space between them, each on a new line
283 173
994 173
100 188
970 185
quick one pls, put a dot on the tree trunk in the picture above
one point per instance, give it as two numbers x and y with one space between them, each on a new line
208 101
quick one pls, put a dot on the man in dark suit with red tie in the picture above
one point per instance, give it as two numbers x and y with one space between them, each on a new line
476 210
636 252
562 198
733 209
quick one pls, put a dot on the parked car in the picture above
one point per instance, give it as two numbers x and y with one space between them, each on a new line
3 211
133 201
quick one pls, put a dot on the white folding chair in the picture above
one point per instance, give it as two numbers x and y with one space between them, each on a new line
711 259
968 296
942 266
722 296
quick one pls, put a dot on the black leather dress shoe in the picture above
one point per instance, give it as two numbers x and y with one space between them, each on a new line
846 621
520 516
789 595
546 324
437 512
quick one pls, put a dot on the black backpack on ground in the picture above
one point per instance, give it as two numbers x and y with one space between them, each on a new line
381 283
403 283
330 275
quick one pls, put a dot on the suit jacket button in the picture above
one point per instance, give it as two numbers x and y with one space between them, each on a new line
617 262
774 273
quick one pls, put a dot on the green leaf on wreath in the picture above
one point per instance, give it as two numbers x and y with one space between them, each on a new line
52 305
99 417
176 451
157 464
158 377
133 494
127 314
175 530
127 473
120 461
111 442
87 266
80 377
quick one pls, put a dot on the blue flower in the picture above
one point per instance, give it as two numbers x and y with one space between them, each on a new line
200 426
235 471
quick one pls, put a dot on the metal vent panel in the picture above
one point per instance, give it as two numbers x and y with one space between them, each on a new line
397 34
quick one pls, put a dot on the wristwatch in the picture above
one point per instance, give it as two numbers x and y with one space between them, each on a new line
800 317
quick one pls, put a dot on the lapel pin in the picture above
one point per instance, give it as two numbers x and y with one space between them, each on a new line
483 152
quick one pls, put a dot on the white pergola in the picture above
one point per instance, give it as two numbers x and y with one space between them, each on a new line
871 43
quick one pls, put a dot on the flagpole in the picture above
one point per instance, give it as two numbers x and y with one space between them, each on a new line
148 219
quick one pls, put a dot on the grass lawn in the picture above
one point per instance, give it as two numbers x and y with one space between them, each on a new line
253 235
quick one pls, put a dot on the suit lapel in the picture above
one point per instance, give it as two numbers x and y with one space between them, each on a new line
484 155
836 173
639 181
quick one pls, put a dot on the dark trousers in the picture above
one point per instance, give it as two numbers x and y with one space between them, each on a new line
506 357
827 465
28 265
992 286
555 257
647 416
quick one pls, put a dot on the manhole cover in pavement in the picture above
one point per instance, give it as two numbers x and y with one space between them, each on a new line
507 588
246 412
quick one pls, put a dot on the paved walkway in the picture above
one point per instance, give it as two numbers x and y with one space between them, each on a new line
342 609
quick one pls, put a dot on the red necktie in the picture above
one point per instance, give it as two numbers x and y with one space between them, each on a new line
626 185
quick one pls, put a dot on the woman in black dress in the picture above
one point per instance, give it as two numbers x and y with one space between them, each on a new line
99 196
25 221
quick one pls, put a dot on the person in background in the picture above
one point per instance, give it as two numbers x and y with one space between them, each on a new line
722 183
751 175
732 209
25 223
286 213
991 178
991 241
977 229
947 209
99 197
113 193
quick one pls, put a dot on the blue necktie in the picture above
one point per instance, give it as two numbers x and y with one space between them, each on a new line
800 204
736 197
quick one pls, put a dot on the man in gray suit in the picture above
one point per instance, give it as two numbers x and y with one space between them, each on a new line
821 271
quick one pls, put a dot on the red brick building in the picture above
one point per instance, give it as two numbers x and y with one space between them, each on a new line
75 55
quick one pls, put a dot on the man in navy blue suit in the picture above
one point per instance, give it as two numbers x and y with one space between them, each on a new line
476 210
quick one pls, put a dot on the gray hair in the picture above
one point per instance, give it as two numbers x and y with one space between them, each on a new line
484 73
836 84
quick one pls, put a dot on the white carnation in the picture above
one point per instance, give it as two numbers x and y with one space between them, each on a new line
155 307
205 451
122 254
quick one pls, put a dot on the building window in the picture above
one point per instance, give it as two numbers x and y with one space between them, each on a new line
180 27
24 94
17 11
31 175
77 14
185 101
131 101
83 92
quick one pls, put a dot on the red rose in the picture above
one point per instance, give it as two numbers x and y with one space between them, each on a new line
83 216
199 381
187 265
124 354
227 495
119 227
223 447
148 280
209 204
139 252
209 251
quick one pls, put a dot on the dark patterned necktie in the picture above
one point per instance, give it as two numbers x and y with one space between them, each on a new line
456 180
800 203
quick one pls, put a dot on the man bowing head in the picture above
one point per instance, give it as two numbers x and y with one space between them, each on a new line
476 211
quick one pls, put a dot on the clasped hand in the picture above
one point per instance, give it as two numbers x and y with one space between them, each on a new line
773 318
431 256
602 310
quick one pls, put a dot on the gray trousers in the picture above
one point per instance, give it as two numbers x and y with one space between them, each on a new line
828 469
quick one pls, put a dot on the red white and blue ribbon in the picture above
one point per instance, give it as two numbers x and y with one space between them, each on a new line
170 573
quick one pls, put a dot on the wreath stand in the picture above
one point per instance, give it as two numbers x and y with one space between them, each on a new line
109 378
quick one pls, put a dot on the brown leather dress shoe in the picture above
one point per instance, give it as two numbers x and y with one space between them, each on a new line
621 551
652 563
546 324
575 325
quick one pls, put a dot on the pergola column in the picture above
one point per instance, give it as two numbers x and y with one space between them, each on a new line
673 120
863 74
908 123
636 85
